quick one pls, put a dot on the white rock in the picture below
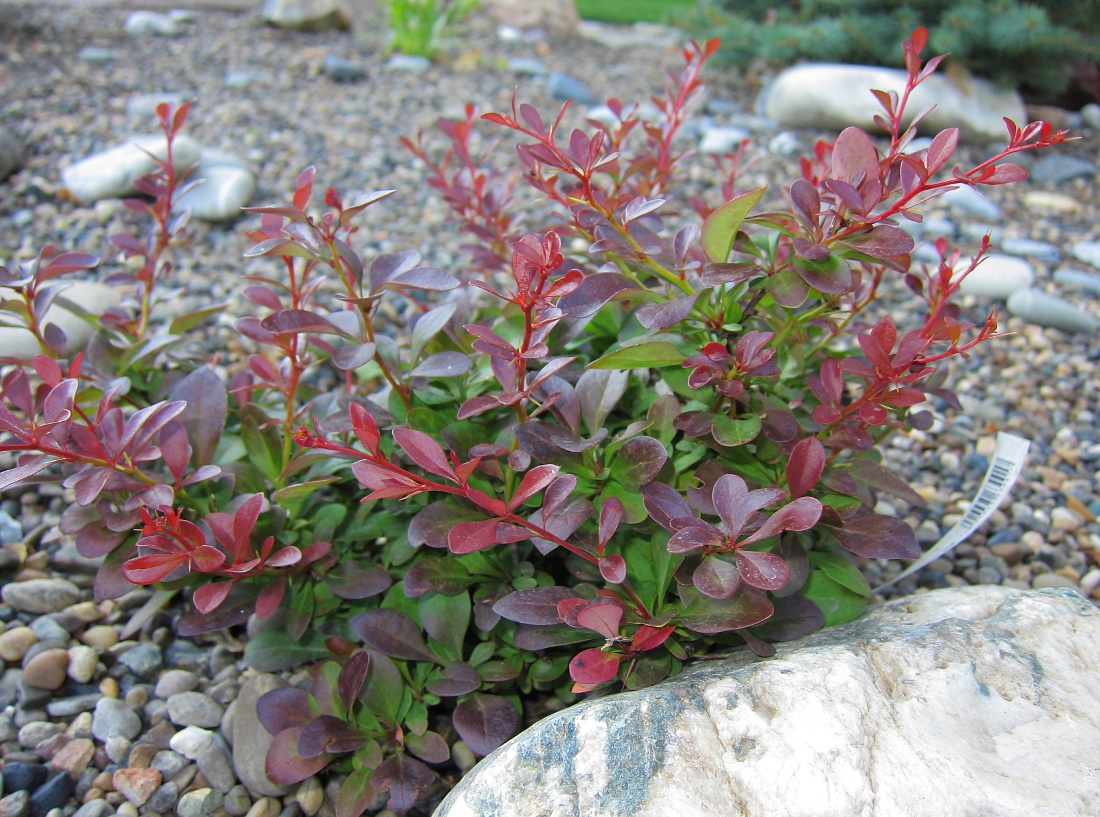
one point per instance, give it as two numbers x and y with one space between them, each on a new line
112 173
1087 251
307 15
832 96
141 23
971 701
549 15
94 298
997 277
191 741
1041 309
721 140
227 185
144 106
971 202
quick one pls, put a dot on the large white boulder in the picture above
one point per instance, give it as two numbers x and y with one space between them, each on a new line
307 15
112 173
90 296
973 701
830 96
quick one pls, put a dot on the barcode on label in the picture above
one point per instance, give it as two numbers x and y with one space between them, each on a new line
1008 460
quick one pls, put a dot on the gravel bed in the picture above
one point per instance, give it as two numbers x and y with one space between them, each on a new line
139 722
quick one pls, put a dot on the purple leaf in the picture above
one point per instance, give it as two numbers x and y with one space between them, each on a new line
613 568
832 276
638 462
351 678
467 537
357 580
433 524
598 391
390 265
855 159
443 364
883 242
595 290
297 321
537 605
327 734
484 722
562 524
392 633
716 275
611 514
442 575
804 466
764 570
703 614
430 746
16 475
427 278
530 637
788 289
206 411
404 778
795 616
941 149
806 199
459 678
353 355
716 578
283 708
802 514
664 503
875 536
663 315
284 766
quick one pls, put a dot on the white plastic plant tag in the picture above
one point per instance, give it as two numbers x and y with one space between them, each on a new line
1009 456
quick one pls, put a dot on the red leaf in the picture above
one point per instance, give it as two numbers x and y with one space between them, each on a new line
664 503
152 567
650 638
285 557
484 722
854 157
533 481
941 149
802 514
1006 173
764 570
425 452
593 666
209 597
207 559
878 537
611 515
366 429
466 537
270 598
604 618
613 569
283 765
327 734
804 467
351 678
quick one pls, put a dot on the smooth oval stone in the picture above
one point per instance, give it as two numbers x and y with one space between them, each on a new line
998 276
1088 281
112 173
1050 311
23 776
54 793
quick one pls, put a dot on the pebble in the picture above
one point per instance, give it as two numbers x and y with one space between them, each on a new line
136 785
1087 251
23 776
142 660
74 757
526 66
169 762
143 23
101 637
114 719
50 795
1053 168
40 595
1053 203
175 681
96 54
968 201
47 670
721 140
199 803
94 808
15 642
309 796
998 276
562 86
73 705
82 663
164 799
1088 281
1053 580
1042 251
194 709
11 529
37 731
1050 311
463 756
411 63
245 79
16 804
341 69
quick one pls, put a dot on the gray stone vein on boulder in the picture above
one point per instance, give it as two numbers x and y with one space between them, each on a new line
954 686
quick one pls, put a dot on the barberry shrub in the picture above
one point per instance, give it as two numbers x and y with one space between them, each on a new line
557 473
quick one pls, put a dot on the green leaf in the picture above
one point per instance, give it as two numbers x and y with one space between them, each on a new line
445 618
356 793
301 611
185 321
263 445
837 602
841 571
720 228
292 497
732 433
274 650
655 354
634 511
384 689
325 521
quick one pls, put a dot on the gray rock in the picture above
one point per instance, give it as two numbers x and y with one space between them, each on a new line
52 794
935 226
87 296
68 707
721 140
144 106
562 86
164 798
306 15
245 79
957 686
1087 251
96 54
210 754
46 629
142 660
998 276
16 804
11 153
194 709
227 184
250 739
113 719
409 62
94 808
68 558
183 654
638 35
150 23
9 686
969 201
112 173
1042 251
199 803
526 67
11 530
1088 281
40 595
237 802
170 763
783 143
550 15
1056 169
341 69
175 681
1050 311
1091 115
830 96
